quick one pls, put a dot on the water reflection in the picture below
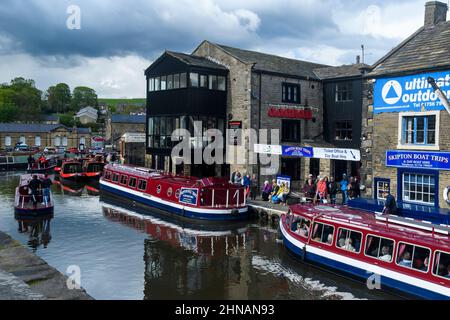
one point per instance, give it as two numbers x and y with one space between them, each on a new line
37 228
76 189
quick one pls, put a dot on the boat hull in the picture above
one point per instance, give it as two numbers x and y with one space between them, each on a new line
125 195
33 212
362 271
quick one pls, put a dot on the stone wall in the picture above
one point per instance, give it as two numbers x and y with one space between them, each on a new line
47 138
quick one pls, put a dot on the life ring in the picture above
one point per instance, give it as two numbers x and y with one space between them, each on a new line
446 194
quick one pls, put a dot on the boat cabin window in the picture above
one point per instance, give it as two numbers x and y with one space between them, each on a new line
132 183
301 226
177 193
108 175
379 248
414 257
349 240
115 177
142 185
323 233
123 180
441 266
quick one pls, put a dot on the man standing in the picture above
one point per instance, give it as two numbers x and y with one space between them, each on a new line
46 185
344 189
34 186
333 189
30 162
390 207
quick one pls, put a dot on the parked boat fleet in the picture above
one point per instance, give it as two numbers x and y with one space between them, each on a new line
401 254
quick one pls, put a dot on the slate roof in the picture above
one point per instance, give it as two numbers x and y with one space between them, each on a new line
35 128
124 118
195 61
276 64
345 71
427 48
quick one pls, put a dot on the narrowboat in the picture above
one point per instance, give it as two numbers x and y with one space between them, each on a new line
23 204
402 255
71 170
207 199
93 168
46 165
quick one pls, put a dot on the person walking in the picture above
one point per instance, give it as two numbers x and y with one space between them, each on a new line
246 182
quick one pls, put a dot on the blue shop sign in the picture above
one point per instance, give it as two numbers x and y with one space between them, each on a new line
410 93
306 152
418 159
189 196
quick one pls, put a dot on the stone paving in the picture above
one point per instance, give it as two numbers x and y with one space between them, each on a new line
23 275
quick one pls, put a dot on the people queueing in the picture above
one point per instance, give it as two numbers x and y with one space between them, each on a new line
34 185
237 178
253 187
344 189
46 186
322 190
266 191
333 190
390 206
310 190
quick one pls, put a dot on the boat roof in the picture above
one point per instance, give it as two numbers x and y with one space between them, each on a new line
363 220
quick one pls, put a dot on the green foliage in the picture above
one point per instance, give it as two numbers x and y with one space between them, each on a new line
8 112
20 100
59 98
67 120
84 97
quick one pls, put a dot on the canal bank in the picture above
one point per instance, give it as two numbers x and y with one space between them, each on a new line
25 276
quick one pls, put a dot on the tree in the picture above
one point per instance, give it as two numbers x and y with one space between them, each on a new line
83 97
67 120
8 111
59 98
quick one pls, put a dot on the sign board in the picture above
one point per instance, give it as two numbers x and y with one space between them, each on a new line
284 179
306 152
133 137
337 154
290 113
418 160
267 149
188 196
410 93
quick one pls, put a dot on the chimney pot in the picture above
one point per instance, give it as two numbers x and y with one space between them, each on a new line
358 59
435 12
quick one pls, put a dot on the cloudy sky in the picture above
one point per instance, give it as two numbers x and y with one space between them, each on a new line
118 39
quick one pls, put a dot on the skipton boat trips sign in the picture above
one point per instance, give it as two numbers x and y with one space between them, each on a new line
418 159
189 196
410 93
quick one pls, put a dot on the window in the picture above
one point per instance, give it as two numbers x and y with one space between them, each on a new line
108 175
132 183
57 141
301 226
169 82
221 83
23 140
142 185
183 80
419 130
382 185
82 140
344 130
323 233
419 188
151 84
213 83
379 248
413 257
290 130
176 81
349 240
123 180
291 93
291 167
8 141
344 92
203 81
193 80
37 141
441 266
115 177
163 82
64 141
157 84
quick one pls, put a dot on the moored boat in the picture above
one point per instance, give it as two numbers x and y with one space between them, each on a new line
409 258
71 170
93 168
24 204
208 199
44 165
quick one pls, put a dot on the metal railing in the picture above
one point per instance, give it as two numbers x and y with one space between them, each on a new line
20 199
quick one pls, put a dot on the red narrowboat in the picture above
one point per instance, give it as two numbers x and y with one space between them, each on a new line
93 168
401 254
31 205
71 170
207 199
43 165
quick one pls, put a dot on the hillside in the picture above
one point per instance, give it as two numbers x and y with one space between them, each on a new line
115 102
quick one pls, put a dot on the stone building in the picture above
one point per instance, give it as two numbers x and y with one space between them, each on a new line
406 129
117 124
43 135
87 115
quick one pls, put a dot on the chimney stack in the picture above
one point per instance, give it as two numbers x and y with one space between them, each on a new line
435 12
358 59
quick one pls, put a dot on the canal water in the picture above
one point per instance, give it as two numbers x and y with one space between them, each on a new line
123 254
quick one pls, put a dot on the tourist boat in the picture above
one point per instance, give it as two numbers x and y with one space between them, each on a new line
71 170
208 199
47 167
402 255
93 168
23 204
